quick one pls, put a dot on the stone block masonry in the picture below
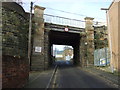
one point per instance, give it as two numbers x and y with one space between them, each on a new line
37 58
15 64
90 40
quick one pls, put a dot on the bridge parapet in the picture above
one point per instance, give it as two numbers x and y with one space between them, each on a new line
64 21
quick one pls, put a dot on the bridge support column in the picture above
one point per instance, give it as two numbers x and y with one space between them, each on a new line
37 58
76 55
90 40
47 48
83 49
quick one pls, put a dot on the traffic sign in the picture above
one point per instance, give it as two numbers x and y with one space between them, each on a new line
66 29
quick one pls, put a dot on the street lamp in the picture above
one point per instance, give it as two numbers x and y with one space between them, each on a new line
85 43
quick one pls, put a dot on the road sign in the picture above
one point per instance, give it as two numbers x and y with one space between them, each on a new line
66 29
38 49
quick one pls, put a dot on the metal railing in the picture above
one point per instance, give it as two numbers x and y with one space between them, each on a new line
64 21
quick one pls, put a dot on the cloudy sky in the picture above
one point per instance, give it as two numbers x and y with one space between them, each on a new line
84 8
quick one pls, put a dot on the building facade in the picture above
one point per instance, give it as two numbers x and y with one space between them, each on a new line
113 19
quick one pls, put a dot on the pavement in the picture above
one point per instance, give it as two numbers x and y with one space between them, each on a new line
39 79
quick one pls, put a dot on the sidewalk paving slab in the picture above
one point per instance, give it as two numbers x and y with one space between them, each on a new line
38 79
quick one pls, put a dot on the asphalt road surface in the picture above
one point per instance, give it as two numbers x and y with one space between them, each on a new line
69 76
66 76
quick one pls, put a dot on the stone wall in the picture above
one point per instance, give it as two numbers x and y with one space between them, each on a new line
14 31
90 40
15 64
46 48
83 51
100 37
0 46
37 58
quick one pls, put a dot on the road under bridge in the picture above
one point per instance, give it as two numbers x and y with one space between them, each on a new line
46 34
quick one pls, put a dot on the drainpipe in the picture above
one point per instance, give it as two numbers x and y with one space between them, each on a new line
110 41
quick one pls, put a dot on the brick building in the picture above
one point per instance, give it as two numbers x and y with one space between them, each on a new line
68 52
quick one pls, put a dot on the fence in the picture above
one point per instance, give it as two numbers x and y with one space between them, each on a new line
101 57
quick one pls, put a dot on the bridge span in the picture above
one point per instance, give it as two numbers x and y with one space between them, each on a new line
46 34
18 67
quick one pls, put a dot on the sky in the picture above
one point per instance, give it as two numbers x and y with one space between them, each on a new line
90 8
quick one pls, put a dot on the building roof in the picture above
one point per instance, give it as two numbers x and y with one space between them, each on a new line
112 3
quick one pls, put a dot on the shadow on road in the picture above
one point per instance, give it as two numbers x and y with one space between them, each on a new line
64 64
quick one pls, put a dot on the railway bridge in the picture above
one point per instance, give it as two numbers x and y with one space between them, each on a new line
47 30
47 33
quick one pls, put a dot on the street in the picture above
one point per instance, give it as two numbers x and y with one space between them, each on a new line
66 76
69 76
60 44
